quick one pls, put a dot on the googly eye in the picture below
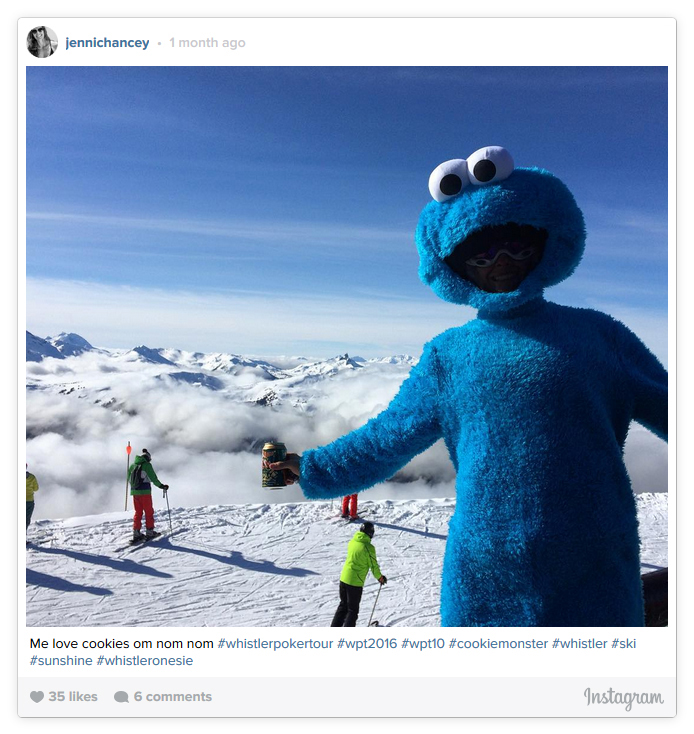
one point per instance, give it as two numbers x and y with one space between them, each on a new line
489 165
448 179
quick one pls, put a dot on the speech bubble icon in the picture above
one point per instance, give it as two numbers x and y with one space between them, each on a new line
121 697
36 696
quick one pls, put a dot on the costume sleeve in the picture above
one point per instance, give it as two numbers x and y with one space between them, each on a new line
375 570
374 452
149 471
648 383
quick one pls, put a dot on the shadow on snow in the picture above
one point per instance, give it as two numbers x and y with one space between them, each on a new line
425 533
235 558
114 563
35 578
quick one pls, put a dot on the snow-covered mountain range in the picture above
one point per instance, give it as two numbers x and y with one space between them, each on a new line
59 347
201 414
205 416
240 376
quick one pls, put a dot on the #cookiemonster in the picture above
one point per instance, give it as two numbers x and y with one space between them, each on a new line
533 400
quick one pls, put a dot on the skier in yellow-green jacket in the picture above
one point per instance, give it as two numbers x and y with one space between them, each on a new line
361 558
32 486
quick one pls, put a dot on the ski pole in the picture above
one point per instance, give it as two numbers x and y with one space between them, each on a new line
127 472
374 609
166 497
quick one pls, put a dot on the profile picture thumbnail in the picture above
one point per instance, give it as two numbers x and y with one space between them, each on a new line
42 42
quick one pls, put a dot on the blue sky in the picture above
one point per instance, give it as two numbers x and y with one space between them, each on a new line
272 210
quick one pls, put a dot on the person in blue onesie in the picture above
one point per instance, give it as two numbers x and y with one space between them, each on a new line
534 401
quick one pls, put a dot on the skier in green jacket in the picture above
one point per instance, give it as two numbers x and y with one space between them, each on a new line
32 487
141 476
361 557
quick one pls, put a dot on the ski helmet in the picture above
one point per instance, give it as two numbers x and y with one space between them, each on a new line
368 529
146 454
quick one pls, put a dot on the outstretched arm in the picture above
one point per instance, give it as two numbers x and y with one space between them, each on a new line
290 466
648 382
374 452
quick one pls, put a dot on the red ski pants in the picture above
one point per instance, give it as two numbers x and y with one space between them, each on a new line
143 503
350 499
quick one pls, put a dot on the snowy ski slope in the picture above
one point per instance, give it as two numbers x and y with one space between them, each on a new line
252 565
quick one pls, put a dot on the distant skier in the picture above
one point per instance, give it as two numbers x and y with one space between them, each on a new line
32 487
349 507
140 475
361 557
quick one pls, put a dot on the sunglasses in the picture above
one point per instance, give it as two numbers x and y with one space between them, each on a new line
515 250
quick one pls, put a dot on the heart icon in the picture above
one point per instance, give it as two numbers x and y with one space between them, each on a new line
36 696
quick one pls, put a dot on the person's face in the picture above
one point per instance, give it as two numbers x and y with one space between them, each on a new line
504 275
39 34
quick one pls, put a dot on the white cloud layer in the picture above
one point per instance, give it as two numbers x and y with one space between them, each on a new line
207 446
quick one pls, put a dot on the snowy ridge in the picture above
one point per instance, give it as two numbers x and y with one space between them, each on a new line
70 345
395 359
109 378
38 349
208 415
253 565
240 377
151 355
198 379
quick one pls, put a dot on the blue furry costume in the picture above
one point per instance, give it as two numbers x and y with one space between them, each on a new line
534 401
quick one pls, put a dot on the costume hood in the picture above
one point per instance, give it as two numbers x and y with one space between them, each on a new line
487 190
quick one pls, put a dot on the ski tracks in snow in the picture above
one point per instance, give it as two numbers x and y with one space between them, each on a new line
250 566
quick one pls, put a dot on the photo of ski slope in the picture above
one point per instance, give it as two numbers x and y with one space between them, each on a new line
233 261
235 554
253 565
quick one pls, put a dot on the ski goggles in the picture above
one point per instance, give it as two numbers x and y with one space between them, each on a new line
515 250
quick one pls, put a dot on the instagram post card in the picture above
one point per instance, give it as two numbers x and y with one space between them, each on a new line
328 327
